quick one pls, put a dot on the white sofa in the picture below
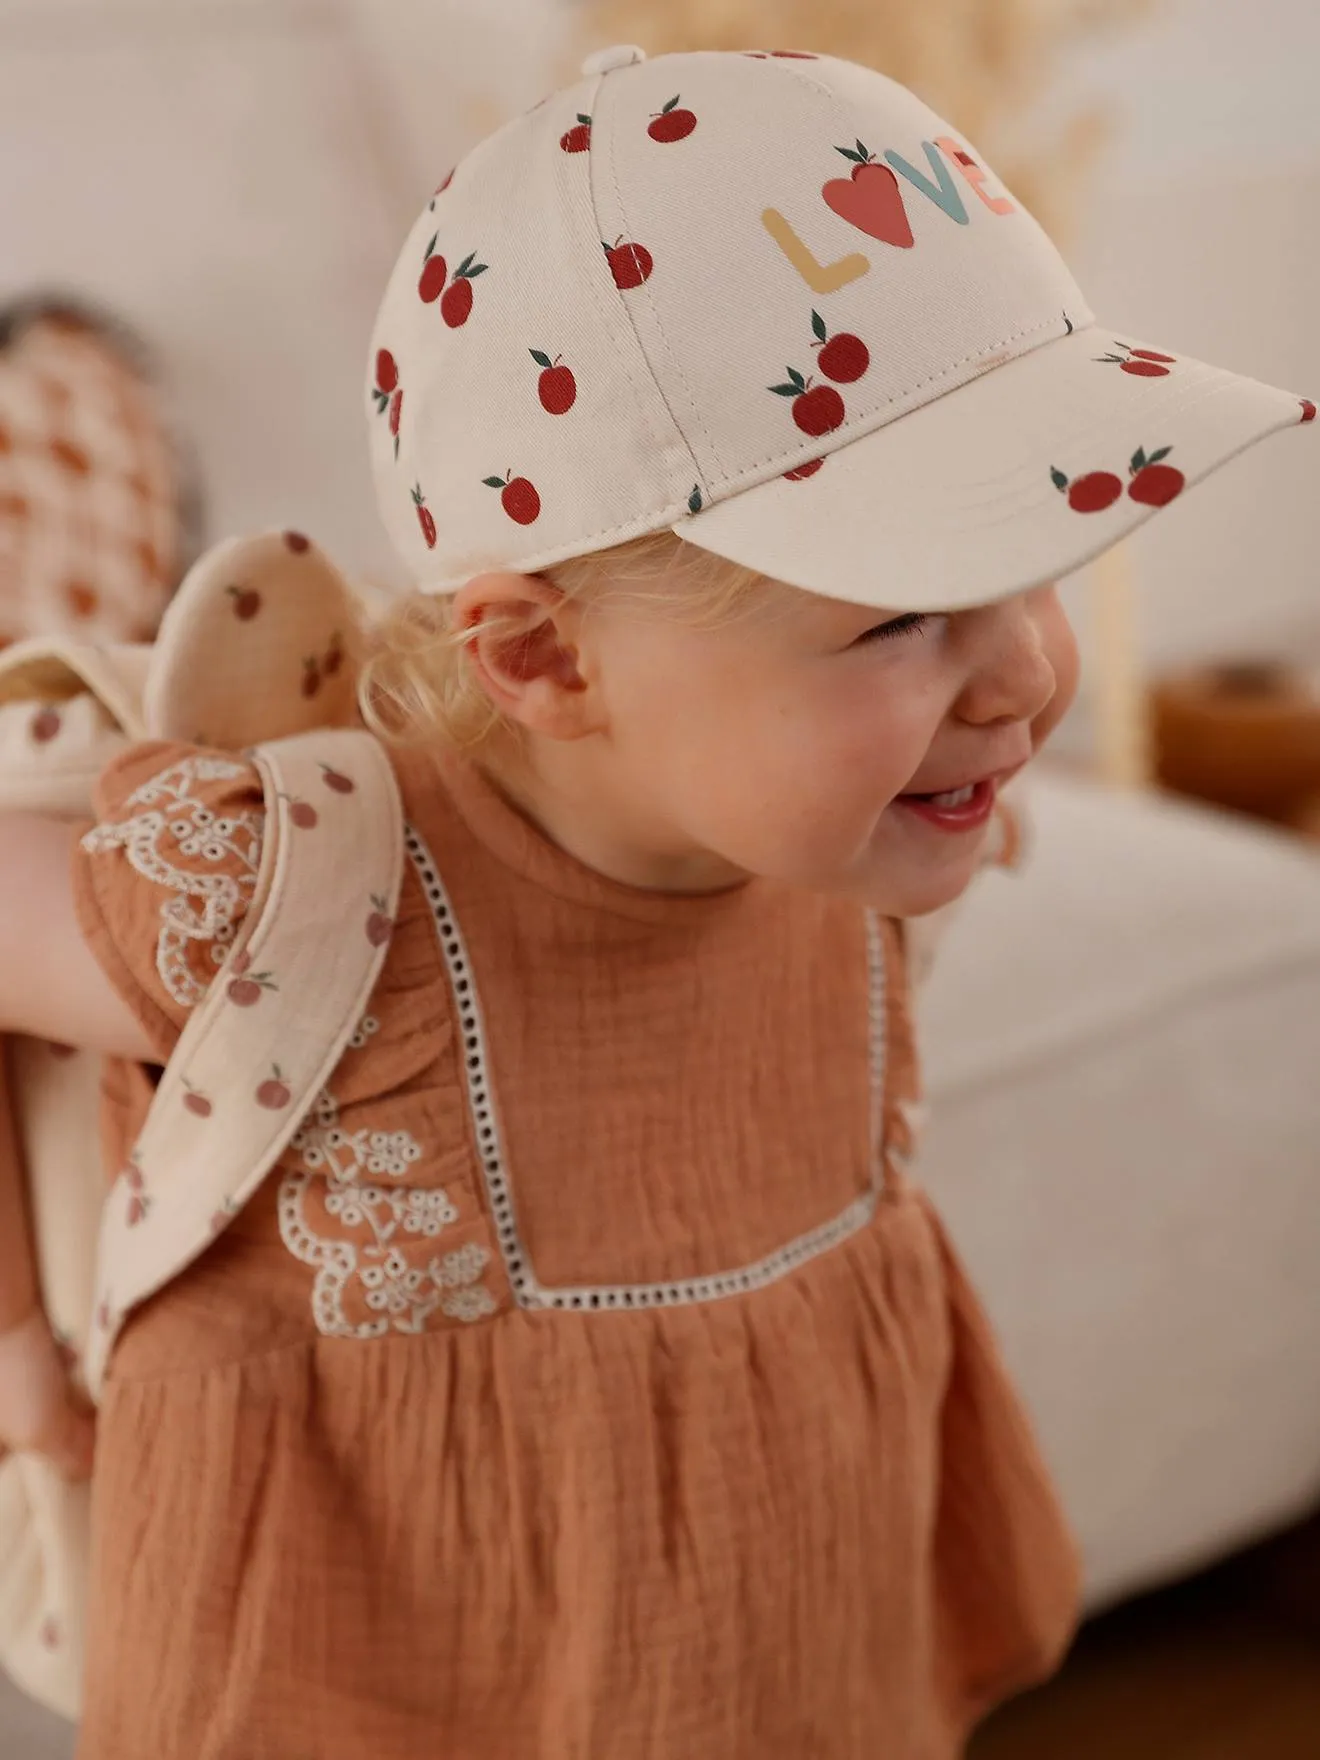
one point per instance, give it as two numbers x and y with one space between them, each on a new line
1123 1063
1123 1041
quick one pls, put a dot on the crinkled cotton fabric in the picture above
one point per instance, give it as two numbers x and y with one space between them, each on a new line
378 1475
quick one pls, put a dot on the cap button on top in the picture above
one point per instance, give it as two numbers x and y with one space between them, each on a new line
606 60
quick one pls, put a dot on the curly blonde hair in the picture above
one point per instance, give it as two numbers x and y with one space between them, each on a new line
417 684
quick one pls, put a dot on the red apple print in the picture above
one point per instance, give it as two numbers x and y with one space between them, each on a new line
457 303
1139 362
83 600
45 724
304 815
1148 354
50 1633
424 516
800 472
817 411
456 306
138 1205
388 396
297 542
557 388
671 123
337 781
630 264
380 925
72 457
518 498
1089 494
246 992
240 963
445 185
435 272
247 602
578 139
133 1177
311 678
334 655
842 358
1154 484
274 1094
197 1103
1308 409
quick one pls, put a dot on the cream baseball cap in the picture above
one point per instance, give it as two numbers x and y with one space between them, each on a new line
772 301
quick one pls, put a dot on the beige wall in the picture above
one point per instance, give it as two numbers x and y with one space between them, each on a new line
235 174
1203 233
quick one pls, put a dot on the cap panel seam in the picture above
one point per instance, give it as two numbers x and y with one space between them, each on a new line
699 476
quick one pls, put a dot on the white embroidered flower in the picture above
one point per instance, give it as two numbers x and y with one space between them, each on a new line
402 1292
469 1304
201 917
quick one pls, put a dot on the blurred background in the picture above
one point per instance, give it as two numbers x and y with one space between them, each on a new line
1123 1041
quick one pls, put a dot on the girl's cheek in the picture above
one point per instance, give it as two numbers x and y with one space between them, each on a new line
1065 659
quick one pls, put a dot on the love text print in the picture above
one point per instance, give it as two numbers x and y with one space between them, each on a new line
871 199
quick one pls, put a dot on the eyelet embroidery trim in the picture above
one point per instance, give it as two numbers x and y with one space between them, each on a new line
380 1272
528 1291
198 925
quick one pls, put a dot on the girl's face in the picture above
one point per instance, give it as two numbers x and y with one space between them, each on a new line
781 742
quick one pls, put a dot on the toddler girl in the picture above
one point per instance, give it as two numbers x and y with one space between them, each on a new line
735 424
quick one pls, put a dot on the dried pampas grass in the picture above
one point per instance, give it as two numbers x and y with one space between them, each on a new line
987 66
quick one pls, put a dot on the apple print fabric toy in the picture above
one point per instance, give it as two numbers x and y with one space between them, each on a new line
257 646
783 308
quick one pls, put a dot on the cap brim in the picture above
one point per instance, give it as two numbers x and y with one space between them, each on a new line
984 492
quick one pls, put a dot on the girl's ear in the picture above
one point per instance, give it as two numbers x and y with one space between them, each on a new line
521 637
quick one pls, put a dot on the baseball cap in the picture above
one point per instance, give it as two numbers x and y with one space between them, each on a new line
771 301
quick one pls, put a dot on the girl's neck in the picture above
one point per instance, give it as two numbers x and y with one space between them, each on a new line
569 792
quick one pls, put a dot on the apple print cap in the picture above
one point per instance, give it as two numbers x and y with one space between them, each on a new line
772 301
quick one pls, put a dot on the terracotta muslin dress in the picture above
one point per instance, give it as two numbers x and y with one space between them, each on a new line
588 1382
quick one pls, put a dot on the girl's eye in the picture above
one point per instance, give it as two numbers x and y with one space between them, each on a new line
897 626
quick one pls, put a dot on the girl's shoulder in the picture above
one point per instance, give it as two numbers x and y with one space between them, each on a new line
168 872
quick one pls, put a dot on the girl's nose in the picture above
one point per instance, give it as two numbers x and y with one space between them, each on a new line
1011 676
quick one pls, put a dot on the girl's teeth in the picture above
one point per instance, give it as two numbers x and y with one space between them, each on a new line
956 797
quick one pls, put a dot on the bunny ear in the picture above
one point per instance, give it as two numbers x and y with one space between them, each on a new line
258 643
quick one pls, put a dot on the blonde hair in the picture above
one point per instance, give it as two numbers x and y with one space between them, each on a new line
418 685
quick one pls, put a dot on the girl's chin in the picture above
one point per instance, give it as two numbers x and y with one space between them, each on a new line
922 887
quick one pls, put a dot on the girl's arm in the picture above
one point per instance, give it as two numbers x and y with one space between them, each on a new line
18 1278
51 986
40 1410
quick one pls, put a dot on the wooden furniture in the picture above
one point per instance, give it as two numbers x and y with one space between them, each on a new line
1242 735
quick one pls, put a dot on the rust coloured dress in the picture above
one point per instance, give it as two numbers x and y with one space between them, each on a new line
589 1382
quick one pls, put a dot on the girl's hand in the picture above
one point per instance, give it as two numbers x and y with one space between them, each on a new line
41 1412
